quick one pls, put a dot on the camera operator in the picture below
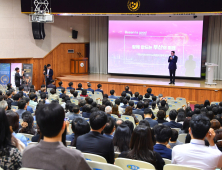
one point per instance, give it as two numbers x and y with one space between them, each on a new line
18 77
49 73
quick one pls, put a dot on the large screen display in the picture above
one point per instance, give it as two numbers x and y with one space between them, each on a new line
143 47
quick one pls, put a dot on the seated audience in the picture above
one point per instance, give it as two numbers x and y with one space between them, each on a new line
148 117
10 157
215 124
87 112
79 86
130 125
112 96
172 123
210 115
115 110
50 119
70 86
109 128
196 154
136 96
53 95
164 106
21 90
161 115
74 112
89 88
29 109
52 85
127 90
9 99
141 146
108 110
125 101
22 106
79 127
32 97
181 117
9 86
121 139
94 142
149 91
139 110
43 96
84 93
131 104
129 112
4 105
173 140
38 135
99 88
163 134
186 126
27 125
16 98
63 95
206 103
154 107
60 85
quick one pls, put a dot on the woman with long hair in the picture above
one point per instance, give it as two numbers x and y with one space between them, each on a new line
80 127
129 112
10 157
181 117
13 120
186 126
121 138
141 148
115 111
206 103
9 86
27 125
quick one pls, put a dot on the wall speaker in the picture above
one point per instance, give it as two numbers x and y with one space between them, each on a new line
74 34
38 30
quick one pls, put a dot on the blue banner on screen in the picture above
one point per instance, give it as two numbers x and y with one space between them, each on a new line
4 73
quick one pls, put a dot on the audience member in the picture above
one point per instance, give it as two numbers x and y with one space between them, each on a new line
130 125
89 88
70 86
73 112
60 85
50 119
99 88
173 140
125 101
149 91
129 112
115 111
172 123
141 146
210 115
127 90
161 115
121 139
181 117
53 95
112 92
164 105
109 128
27 125
215 124
84 93
187 154
22 106
52 85
88 111
148 117
138 110
163 134
94 142
206 103
21 90
10 157
136 96
186 126
16 98
33 97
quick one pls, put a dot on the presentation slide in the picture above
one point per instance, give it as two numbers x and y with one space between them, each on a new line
143 47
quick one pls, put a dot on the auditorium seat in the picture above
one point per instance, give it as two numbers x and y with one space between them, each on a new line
68 143
182 137
114 116
172 106
14 107
178 167
130 118
33 107
102 166
28 137
177 129
75 101
169 98
216 103
32 143
139 117
167 161
48 90
182 100
178 104
112 100
127 164
20 121
94 157
71 147
89 92
117 154
98 95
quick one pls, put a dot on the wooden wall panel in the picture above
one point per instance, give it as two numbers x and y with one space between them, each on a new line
59 58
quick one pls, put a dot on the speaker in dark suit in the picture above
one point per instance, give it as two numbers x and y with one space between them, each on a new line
18 77
49 74
172 66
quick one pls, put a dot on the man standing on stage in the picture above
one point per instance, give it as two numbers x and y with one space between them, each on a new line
172 66
18 77
49 74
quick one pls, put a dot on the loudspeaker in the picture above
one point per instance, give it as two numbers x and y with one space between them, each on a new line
74 34
38 30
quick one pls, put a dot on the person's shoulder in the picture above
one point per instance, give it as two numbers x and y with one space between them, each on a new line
74 153
30 149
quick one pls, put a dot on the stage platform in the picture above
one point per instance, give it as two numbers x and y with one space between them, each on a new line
195 91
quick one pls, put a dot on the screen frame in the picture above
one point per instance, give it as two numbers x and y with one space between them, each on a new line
148 75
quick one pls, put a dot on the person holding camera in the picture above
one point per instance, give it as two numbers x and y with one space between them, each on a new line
49 73
18 77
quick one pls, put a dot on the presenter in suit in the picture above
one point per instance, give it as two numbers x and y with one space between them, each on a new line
172 66
48 73
18 77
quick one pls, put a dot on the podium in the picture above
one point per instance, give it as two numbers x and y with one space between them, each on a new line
210 73
79 66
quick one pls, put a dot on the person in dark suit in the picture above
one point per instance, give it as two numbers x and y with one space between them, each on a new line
138 110
87 109
18 77
99 88
89 88
94 142
79 86
148 117
60 85
172 123
52 85
127 90
164 105
163 134
48 74
112 96
172 66
70 86
136 96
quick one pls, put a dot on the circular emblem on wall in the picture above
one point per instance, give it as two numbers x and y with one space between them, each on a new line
81 64
133 5
4 79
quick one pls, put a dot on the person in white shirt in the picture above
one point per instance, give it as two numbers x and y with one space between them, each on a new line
196 154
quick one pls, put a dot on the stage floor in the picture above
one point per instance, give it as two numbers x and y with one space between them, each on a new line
139 80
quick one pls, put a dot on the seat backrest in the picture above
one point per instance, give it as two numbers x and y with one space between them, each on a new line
14 107
177 129
98 94
75 101
182 137
172 106
127 94
117 154
114 116
68 143
139 117
91 96
33 107
169 98
216 103
48 90
28 137
178 167
127 164
177 103
71 147
32 143
130 118
112 100
58 90
89 92
94 157
20 121
167 161
102 166
182 100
